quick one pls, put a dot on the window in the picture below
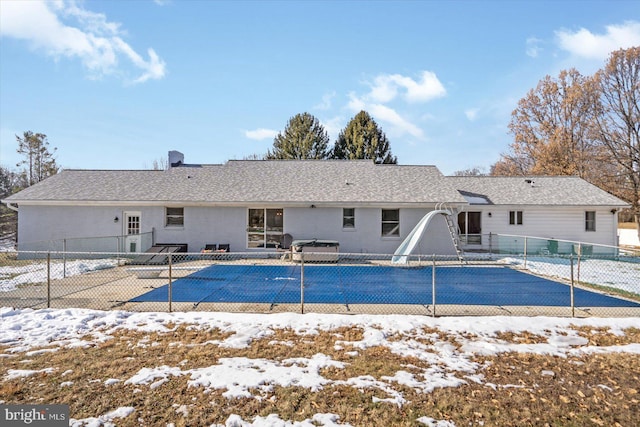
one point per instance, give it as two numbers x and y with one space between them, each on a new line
390 222
590 221
470 225
515 217
133 224
264 228
174 217
348 218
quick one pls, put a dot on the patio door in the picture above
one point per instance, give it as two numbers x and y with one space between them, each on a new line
470 227
264 228
132 237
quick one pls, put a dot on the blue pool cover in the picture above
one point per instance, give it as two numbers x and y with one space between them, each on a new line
280 284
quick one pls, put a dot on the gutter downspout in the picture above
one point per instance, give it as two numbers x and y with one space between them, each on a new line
12 207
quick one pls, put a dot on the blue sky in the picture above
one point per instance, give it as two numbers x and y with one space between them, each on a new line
117 84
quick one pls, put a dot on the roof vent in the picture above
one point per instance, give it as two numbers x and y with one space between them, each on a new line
176 158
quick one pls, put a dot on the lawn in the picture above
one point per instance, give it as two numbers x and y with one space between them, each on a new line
196 369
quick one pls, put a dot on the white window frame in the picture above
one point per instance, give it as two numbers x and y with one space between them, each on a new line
515 217
590 223
348 218
173 219
395 231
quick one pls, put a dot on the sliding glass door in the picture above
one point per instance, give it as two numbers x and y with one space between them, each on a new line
264 228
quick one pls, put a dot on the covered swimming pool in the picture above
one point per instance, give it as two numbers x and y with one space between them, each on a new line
364 284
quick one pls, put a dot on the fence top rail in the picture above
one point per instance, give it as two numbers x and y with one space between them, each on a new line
218 254
575 242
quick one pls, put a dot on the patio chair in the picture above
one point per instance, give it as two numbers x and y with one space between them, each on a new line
285 246
209 248
285 242
223 247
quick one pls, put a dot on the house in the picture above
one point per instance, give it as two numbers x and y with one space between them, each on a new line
251 204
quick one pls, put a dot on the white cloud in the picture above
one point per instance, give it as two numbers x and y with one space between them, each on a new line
260 134
383 113
471 114
385 87
391 88
325 104
355 103
333 126
533 47
584 43
87 36
389 115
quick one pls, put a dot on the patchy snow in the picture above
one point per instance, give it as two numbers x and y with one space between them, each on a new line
448 365
628 237
11 277
614 274
21 373
103 420
7 244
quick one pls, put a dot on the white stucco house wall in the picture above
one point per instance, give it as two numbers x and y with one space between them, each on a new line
250 205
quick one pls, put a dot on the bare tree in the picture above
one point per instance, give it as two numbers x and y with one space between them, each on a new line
551 129
38 160
617 125
474 171
160 164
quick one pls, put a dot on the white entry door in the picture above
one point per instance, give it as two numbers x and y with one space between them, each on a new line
132 237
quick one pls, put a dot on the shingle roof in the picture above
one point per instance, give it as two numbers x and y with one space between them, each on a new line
279 181
536 190
298 182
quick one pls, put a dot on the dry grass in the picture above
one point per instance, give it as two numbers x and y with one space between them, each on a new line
627 225
522 389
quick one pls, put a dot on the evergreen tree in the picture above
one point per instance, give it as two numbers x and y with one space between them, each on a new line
39 162
303 138
363 139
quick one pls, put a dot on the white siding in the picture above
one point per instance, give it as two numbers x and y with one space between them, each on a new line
366 237
564 223
205 225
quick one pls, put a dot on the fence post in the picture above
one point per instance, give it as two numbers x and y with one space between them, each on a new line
579 257
301 282
64 258
525 252
573 310
490 245
433 285
170 281
48 279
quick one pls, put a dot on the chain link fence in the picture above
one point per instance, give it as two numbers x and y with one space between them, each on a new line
518 277
105 244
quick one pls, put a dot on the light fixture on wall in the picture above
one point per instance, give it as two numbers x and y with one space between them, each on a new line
116 219
613 211
312 206
489 214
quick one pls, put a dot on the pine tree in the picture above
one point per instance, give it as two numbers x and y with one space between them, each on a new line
303 138
363 139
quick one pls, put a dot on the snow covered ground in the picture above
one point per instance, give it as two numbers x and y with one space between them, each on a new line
26 330
628 237
11 277
619 275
